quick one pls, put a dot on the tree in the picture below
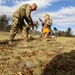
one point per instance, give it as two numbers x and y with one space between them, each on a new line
55 30
8 28
3 22
69 32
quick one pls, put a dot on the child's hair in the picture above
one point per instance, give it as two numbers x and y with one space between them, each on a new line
47 15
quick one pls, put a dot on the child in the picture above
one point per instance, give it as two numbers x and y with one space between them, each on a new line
46 26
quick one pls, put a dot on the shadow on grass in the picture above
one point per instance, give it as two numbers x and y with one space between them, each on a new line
6 41
62 64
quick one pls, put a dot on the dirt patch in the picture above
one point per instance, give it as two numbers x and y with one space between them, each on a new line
62 64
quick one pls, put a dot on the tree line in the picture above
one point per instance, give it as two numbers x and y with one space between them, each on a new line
4 26
4 23
67 33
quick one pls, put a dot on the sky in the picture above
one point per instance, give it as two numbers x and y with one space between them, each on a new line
62 12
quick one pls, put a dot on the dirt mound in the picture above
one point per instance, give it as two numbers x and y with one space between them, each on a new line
62 64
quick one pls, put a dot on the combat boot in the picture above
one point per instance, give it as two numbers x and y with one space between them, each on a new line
31 38
27 39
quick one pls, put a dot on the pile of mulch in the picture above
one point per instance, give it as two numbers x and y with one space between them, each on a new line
62 64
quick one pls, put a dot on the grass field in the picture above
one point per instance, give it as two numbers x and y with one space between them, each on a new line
38 57
5 35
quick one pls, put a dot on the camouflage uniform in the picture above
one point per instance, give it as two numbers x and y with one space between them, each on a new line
18 21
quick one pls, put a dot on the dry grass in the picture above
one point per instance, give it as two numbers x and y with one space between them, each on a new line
6 35
35 55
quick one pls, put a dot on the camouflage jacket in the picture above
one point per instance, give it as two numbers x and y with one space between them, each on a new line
24 13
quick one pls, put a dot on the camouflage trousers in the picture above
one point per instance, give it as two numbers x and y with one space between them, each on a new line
16 25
